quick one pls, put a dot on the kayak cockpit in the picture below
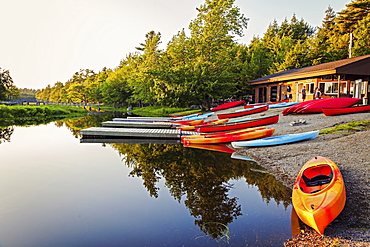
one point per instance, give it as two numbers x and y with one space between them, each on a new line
316 178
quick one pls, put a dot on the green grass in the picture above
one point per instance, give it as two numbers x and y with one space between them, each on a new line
349 127
42 111
161 111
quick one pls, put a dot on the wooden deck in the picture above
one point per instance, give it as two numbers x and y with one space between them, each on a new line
135 124
134 132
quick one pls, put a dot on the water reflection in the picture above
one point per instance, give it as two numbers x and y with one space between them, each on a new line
202 178
5 134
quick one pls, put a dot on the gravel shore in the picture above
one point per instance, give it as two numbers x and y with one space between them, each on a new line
349 150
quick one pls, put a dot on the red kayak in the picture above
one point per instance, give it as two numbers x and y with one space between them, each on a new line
243 112
228 105
317 106
345 110
239 125
298 106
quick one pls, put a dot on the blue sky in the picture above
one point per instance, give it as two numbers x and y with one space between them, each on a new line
45 41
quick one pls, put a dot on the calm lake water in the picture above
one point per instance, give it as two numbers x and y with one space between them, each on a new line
57 191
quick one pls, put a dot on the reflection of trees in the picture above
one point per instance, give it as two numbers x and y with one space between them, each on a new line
5 134
203 177
76 124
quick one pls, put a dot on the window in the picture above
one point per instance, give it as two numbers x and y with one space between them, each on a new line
311 88
331 87
326 77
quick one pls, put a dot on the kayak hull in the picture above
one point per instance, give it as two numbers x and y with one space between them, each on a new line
239 125
229 138
228 105
345 110
277 140
315 106
243 112
318 202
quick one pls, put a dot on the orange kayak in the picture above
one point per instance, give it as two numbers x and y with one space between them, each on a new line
230 137
319 194
192 127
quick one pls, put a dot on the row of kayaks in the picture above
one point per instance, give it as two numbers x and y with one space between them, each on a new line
319 193
328 106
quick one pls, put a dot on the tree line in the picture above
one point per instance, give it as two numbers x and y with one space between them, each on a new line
209 64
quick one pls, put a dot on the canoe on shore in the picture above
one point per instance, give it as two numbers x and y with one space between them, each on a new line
315 106
266 103
243 112
277 140
240 124
192 127
223 133
229 138
345 110
228 105
319 193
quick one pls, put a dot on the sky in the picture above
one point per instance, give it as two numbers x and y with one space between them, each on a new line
46 41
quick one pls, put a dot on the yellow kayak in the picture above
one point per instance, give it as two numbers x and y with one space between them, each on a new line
319 193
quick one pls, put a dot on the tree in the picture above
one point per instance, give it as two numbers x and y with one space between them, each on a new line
354 12
142 80
6 83
211 69
115 89
77 87
362 34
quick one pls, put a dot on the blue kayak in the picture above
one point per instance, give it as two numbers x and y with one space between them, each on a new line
284 104
277 140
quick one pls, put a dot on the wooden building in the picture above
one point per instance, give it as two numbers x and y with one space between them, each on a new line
344 78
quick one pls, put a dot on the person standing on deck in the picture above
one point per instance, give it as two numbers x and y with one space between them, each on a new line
317 93
303 93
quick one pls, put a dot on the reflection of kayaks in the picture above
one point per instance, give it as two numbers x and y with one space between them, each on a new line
345 110
230 138
228 105
243 112
238 156
319 193
277 140
240 125
213 147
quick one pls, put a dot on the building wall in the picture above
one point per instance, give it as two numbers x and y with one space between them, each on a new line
328 86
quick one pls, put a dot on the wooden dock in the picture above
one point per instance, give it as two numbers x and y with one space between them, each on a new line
129 140
101 132
135 124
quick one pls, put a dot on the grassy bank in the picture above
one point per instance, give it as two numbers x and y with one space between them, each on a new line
153 111
23 114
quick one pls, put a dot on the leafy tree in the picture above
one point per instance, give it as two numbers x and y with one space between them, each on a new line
6 83
354 12
362 34
142 80
77 86
211 68
115 89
